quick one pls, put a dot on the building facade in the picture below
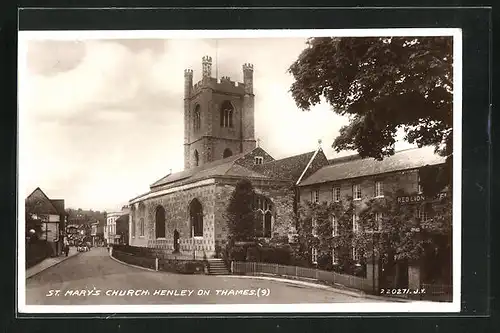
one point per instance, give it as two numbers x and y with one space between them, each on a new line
357 180
97 233
46 218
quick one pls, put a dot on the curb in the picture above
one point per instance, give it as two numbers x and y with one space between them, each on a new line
57 263
318 286
290 281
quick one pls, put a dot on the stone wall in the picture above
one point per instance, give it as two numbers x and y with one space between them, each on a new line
176 205
280 194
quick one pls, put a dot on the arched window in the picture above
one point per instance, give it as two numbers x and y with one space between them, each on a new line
263 208
196 218
227 153
197 118
196 158
141 227
226 114
160 222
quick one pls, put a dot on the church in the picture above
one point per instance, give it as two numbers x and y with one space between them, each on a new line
184 212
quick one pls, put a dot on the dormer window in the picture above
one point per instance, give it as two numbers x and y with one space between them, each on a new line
258 160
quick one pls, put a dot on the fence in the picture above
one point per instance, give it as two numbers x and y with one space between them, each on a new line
365 284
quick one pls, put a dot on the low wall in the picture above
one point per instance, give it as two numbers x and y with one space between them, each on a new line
36 252
180 266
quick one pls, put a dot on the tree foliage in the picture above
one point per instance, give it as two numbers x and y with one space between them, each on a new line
382 84
397 232
240 212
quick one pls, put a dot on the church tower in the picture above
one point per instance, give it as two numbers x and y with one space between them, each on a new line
218 116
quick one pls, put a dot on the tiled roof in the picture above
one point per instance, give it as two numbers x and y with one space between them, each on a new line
59 205
402 160
289 168
38 202
222 167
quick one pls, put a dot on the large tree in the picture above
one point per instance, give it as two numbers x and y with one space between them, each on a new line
240 212
383 84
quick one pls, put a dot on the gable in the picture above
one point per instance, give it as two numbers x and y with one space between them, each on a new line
318 161
38 202
248 160
289 168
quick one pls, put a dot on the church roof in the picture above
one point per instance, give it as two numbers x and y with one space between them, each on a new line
289 168
222 167
286 169
351 168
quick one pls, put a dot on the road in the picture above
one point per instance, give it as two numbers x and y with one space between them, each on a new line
94 278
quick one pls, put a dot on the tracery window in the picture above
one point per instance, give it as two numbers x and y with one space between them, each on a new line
263 208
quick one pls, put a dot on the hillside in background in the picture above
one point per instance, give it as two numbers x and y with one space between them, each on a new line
81 216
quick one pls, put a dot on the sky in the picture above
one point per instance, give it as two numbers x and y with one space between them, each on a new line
102 119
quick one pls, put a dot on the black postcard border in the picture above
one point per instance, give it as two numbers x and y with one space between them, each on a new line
477 135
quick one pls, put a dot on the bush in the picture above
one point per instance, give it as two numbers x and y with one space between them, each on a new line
276 255
253 254
237 253
278 241
182 267
325 262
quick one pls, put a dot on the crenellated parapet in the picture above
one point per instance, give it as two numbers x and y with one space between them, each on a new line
224 85
248 78
206 67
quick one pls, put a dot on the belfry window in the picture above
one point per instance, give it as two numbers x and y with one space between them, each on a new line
226 114
197 118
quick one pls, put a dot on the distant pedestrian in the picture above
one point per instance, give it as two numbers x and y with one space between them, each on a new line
66 246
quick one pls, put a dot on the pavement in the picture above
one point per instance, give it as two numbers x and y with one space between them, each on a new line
49 262
93 278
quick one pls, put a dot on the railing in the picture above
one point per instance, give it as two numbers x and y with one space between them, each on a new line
349 281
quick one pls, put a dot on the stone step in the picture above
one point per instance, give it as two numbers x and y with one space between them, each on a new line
217 267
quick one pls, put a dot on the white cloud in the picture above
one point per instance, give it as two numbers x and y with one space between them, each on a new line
105 123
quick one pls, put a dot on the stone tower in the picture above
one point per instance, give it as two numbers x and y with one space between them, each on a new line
218 116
